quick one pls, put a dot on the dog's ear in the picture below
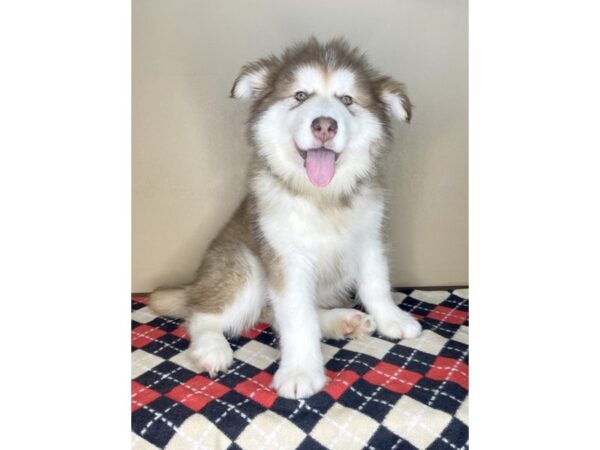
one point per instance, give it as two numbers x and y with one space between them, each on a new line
253 79
397 103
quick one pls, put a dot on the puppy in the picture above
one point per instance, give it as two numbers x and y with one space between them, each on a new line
309 231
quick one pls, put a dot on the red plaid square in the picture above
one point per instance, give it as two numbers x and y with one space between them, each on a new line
340 382
141 395
181 332
449 315
449 369
197 392
255 331
258 389
392 377
142 335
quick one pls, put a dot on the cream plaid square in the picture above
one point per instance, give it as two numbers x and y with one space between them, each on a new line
462 335
428 342
344 428
463 293
270 430
143 315
328 351
416 422
398 297
142 362
463 411
369 345
139 443
435 297
199 433
183 359
257 354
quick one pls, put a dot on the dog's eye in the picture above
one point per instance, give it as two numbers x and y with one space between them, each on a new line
300 96
346 100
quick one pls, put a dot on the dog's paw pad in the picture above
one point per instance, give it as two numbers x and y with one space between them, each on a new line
357 324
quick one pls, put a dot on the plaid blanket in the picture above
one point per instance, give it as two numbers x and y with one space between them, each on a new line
383 394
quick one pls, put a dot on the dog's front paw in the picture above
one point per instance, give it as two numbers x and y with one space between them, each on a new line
298 382
211 354
399 325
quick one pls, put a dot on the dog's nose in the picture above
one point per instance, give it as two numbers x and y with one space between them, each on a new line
324 128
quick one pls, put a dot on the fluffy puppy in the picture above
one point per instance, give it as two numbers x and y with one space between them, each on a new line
309 231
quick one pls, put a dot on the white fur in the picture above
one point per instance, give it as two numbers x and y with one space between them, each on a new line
286 127
395 105
375 293
250 84
209 349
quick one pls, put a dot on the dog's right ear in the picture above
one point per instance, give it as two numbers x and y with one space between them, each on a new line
252 81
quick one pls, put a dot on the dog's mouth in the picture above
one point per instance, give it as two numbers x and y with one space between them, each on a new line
319 164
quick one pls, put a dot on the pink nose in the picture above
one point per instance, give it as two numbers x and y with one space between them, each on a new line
324 128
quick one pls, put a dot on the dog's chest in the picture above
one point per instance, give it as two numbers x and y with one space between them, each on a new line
329 237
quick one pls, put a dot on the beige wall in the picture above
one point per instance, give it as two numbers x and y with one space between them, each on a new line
189 151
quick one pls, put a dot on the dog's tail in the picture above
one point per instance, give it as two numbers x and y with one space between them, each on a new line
172 302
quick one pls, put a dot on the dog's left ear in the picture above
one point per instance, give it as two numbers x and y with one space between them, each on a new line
252 81
394 97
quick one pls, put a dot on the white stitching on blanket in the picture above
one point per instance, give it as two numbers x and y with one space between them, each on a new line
377 390
259 353
194 392
163 376
383 402
435 391
400 380
301 404
163 419
337 425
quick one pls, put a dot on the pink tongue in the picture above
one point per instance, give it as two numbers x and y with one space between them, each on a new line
320 166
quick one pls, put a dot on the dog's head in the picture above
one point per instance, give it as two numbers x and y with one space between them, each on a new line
321 115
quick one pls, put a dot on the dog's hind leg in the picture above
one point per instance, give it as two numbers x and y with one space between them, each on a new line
225 302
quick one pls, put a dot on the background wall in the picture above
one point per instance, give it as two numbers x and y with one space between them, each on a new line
189 150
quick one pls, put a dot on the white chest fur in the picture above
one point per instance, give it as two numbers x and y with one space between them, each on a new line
327 238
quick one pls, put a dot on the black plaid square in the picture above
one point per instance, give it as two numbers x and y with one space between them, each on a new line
348 360
374 401
268 337
417 307
384 438
445 396
444 329
165 377
339 343
456 302
157 421
455 436
232 413
409 358
165 324
167 346
310 444
135 304
238 373
304 418
455 350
